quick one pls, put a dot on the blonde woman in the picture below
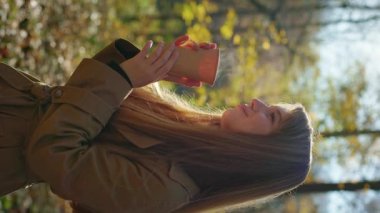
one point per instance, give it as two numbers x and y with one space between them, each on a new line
112 141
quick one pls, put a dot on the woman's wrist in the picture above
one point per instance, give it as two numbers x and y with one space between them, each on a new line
117 67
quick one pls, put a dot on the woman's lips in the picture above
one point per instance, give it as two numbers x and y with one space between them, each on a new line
244 109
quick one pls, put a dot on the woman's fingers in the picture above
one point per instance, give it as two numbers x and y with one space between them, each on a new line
181 40
186 42
213 45
147 68
191 45
164 57
206 45
145 49
156 53
163 71
195 46
203 45
191 82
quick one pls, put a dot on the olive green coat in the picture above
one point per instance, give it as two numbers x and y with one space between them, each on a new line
60 135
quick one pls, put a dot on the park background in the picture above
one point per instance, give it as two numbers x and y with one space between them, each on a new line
322 53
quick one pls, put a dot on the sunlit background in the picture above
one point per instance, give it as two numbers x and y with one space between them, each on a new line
324 54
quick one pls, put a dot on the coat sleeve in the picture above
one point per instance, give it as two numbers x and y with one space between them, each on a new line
62 153
115 53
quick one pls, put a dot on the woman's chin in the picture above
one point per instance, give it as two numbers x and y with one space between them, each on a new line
225 119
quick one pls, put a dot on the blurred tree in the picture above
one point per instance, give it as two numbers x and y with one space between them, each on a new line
47 38
266 52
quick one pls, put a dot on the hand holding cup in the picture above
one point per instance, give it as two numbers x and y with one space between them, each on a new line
196 63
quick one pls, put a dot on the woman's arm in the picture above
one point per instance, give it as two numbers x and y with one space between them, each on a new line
60 151
78 112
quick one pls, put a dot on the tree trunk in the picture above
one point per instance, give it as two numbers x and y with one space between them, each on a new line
329 187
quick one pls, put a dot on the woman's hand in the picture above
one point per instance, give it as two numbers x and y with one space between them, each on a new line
143 69
185 42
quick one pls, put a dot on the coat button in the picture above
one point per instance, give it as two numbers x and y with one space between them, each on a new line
58 93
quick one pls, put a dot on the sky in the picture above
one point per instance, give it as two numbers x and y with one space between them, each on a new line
340 47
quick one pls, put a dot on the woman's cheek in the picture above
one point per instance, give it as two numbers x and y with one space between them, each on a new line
228 118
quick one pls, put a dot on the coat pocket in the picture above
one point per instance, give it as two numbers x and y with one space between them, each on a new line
178 174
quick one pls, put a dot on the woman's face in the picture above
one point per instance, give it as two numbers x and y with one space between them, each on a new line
254 118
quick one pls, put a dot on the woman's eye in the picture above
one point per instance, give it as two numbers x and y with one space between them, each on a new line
272 117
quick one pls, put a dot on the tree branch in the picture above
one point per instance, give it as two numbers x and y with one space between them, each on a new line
322 6
346 133
261 7
328 187
338 21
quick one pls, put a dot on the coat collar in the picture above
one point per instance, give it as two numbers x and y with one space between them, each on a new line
18 80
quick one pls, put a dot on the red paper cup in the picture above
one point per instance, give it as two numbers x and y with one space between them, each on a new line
201 64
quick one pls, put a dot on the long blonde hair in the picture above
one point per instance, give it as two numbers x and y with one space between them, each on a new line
244 167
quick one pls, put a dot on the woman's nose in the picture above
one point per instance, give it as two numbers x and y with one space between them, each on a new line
257 104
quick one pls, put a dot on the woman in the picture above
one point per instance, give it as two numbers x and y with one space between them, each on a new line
110 141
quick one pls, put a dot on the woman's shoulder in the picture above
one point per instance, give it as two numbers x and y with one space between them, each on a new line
16 78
